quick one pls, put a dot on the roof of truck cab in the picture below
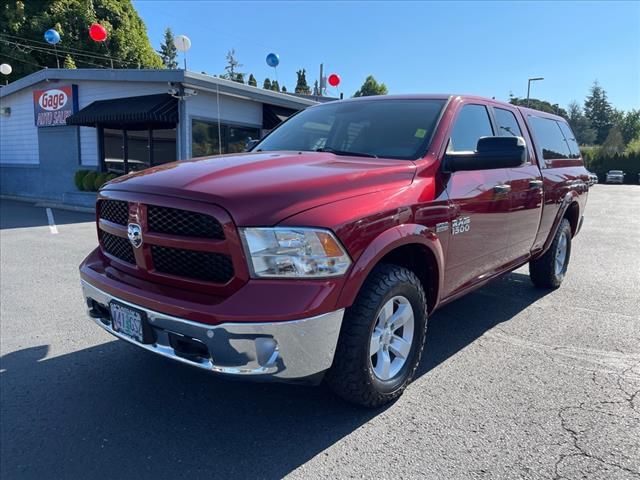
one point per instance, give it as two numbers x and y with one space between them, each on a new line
447 96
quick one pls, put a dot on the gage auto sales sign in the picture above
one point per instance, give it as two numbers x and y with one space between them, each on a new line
53 105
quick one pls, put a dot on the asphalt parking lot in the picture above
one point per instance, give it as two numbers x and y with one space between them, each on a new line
515 382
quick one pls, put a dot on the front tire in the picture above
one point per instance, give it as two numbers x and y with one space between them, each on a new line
382 338
549 270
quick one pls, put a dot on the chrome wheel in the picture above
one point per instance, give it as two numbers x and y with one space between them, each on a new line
392 338
561 254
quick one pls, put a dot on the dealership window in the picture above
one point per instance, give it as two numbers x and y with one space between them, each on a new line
233 139
127 151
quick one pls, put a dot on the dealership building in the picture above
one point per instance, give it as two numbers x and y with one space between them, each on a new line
57 121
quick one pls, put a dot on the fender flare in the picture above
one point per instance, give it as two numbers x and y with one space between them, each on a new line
387 241
569 198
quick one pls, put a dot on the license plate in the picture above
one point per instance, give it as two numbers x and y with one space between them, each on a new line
128 321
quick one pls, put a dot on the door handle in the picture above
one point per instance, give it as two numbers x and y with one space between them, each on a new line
504 188
535 184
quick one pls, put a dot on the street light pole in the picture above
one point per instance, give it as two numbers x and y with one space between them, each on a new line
529 86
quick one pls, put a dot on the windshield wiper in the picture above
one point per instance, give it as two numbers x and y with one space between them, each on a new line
345 152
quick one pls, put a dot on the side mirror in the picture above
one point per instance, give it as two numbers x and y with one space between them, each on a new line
250 144
491 153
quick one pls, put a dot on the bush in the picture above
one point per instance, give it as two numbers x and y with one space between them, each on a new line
89 181
79 177
599 162
101 179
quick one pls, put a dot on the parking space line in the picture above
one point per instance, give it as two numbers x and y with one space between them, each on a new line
52 223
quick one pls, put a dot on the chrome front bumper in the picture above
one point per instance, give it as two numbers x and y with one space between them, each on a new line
283 350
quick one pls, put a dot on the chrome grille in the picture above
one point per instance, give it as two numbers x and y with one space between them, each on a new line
114 211
205 266
183 223
119 247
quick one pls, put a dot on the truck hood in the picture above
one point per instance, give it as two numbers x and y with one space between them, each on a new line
267 187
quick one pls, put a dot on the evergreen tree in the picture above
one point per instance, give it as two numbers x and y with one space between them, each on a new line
630 126
267 84
239 78
128 44
302 86
275 86
69 63
232 66
284 89
599 112
252 81
168 51
585 135
371 87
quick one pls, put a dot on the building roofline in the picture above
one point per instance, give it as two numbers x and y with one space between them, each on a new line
192 79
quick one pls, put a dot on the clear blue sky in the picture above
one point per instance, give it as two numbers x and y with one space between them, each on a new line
484 48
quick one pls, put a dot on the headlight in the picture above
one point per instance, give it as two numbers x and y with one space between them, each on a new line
294 252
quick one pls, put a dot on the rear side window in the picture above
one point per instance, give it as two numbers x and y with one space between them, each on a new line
507 123
472 123
571 140
549 138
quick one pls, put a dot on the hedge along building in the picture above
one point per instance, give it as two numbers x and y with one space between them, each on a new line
56 121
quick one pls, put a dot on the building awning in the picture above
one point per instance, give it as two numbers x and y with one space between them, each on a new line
160 111
272 115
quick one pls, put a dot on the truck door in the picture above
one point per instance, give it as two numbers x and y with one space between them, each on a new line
526 195
479 201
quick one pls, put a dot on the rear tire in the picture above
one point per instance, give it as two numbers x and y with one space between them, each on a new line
389 317
549 270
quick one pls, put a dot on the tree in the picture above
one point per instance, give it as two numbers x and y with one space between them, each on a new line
252 81
168 51
232 66
371 87
284 89
599 112
613 143
630 126
239 78
275 86
585 135
128 45
302 86
541 105
266 84
69 63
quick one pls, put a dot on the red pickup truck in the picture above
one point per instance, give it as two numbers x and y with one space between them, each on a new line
321 253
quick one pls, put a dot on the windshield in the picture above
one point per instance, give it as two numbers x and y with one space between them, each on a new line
381 128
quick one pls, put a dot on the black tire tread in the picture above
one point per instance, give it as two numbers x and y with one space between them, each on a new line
541 270
346 376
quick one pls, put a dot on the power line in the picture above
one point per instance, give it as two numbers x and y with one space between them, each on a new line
49 51
24 61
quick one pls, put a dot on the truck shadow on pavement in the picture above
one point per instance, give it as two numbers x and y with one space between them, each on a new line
113 411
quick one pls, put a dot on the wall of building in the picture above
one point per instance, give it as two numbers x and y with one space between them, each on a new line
235 111
18 132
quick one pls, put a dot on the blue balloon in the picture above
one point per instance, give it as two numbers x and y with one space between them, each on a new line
273 60
51 36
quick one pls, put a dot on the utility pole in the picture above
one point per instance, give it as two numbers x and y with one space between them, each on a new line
535 79
321 83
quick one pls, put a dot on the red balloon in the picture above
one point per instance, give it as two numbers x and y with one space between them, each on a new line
97 32
334 79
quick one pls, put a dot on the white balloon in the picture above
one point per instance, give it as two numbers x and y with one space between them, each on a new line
6 69
183 43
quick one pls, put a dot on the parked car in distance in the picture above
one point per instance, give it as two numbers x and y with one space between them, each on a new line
593 178
615 176
322 253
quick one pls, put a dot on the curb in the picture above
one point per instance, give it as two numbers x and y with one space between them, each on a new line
39 202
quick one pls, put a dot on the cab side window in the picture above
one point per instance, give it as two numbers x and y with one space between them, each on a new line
507 123
571 140
549 138
472 123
